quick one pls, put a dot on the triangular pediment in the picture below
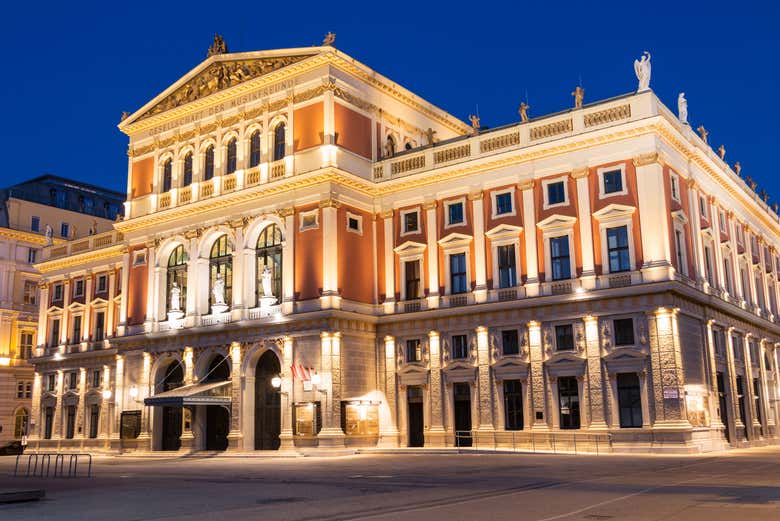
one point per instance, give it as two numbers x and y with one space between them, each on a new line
680 217
503 231
614 211
454 240
217 73
557 221
75 306
410 248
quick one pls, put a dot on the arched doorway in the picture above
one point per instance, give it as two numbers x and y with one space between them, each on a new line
267 403
173 377
217 417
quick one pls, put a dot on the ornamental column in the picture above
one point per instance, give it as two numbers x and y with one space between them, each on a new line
749 392
288 260
595 380
536 384
330 275
65 320
43 319
144 391
432 230
81 428
480 264
151 285
239 291
119 396
187 437
531 257
736 426
86 331
435 436
654 218
388 431
768 420
716 421
235 436
110 312
331 434
56 422
667 374
389 304
288 392
121 328
484 385
696 239
588 278
35 425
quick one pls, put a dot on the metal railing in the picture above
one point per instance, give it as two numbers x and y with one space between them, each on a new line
526 441
39 465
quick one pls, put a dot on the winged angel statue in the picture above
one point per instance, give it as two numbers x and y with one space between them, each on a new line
642 70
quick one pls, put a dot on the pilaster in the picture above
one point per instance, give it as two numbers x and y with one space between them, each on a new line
331 434
538 419
588 277
431 228
666 363
435 435
484 378
388 431
654 218
532 259
480 263
595 378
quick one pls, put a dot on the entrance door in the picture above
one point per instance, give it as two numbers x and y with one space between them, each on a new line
722 405
414 401
569 402
217 421
171 428
267 403
462 395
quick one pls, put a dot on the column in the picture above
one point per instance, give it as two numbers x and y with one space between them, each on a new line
56 433
435 435
86 326
666 363
35 428
331 434
484 384
389 304
105 406
737 426
767 419
43 319
720 274
81 428
696 239
240 291
715 422
531 258
287 391
329 126
645 398
65 321
197 282
110 312
480 264
595 377
654 218
752 414
330 276
388 431
588 278
119 397
235 436
288 260
144 391
538 421
152 291
121 329
432 230
187 437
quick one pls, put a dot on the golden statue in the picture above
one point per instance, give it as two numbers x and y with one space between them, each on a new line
738 168
523 111
703 133
579 95
722 152
429 134
329 39
474 123
218 47
125 115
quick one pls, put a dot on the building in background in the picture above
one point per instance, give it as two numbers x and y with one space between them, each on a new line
313 255
67 208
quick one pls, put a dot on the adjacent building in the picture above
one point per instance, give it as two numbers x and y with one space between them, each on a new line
313 255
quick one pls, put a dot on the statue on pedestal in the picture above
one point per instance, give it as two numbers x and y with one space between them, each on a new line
682 108
218 291
643 70
579 95
722 152
49 234
474 123
175 297
703 132
523 111
265 279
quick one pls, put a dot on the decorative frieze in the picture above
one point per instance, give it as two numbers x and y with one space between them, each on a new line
551 129
608 115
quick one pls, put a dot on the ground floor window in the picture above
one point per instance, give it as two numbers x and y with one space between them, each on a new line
360 418
307 418
757 402
94 420
48 422
70 421
629 400
569 402
513 405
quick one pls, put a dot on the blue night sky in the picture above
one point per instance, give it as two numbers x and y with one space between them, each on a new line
70 69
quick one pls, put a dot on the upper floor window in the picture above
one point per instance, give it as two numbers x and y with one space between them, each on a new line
100 326
57 293
458 279
507 266
564 337
232 156
455 213
412 279
624 331
78 288
617 249
167 179
674 184
559 258
509 342
556 193
722 221
25 344
102 283
703 206
65 230
613 181
97 378
503 203
187 174
254 149
208 166
177 275
30 296
35 223
279 141
55 332
460 348
679 247
51 382
269 255
410 221
708 264
414 350
32 254
76 333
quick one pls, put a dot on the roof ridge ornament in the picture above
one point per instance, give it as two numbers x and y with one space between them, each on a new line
329 39
217 47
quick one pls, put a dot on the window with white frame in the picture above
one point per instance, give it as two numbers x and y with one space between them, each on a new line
555 193
458 273
680 250
412 279
623 331
722 221
309 220
703 206
355 223
76 331
564 337
759 290
738 228
616 232
503 203
32 255
708 264
57 292
612 181
78 288
454 213
560 260
746 294
100 326
460 347
410 221
25 344
507 266
102 283
618 249
674 184
727 274
30 295
139 258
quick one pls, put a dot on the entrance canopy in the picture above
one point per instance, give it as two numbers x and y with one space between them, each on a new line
210 393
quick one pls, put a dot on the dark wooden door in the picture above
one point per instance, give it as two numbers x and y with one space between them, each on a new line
415 411
462 394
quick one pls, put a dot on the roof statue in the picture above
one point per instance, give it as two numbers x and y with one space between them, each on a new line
722 152
429 134
738 168
474 123
329 39
703 132
523 111
579 95
682 108
218 47
125 115
643 70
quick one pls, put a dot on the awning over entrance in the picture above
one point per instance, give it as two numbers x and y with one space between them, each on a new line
210 393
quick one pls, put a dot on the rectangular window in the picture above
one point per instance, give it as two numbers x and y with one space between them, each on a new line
100 319
410 222
28 390
76 337
48 421
359 418
25 345
513 405
559 258
412 276
51 382
353 223
759 292
96 378
629 400
678 246
454 213
617 249
30 296
569 402
703 206
507 269
556 193
460 347
708 265
94 420
32 255
503 203
675 187
741 399
55 332
20 389
70 422
722 221
737 346
64 230
727 273
35 223
72 380
458 273
624 331
564 337
57 296
613 181
414 350
745 285
102 284
78 288
757 402
509 342
719 340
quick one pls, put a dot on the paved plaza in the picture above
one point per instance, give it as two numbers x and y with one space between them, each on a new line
739 485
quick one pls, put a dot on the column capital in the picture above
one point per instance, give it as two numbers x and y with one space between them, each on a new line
431 334
526 184
389 338
285 212
430 205
580 172
646 159
476 195
330 202
385 214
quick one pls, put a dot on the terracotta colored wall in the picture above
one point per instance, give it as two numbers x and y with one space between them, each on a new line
136 298
308 259
683 206
356 271
378 140
380 259
353 129
142 177
419 237
308 127
515 220
568 210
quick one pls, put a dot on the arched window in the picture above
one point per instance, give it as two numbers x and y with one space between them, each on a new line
21 421
187 178
221 262
254 149
218 371
232 151
279 146
177 272
167 175
208 166
269 253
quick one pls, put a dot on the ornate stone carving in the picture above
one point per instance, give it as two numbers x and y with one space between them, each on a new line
579 337
218 46
606 335
547 341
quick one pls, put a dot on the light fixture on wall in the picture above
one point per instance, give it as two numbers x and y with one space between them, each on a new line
276 382
134 392
107 394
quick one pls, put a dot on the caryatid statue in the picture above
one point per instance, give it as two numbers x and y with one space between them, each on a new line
218 290
682 108
175 297
643 70
265 280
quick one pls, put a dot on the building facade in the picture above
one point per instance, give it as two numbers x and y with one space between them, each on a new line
27 211
312 255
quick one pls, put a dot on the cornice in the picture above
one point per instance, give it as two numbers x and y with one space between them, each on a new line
31 237
79 260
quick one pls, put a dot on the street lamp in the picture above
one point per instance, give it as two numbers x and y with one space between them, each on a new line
134 392
276 382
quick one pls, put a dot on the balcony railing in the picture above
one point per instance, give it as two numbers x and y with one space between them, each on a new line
93 242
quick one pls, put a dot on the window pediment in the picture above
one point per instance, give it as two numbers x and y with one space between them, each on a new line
99 301
680 217
503 231
75 306
410 248
557 221
614 212
455 240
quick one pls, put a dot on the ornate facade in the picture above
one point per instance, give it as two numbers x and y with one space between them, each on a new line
312 255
